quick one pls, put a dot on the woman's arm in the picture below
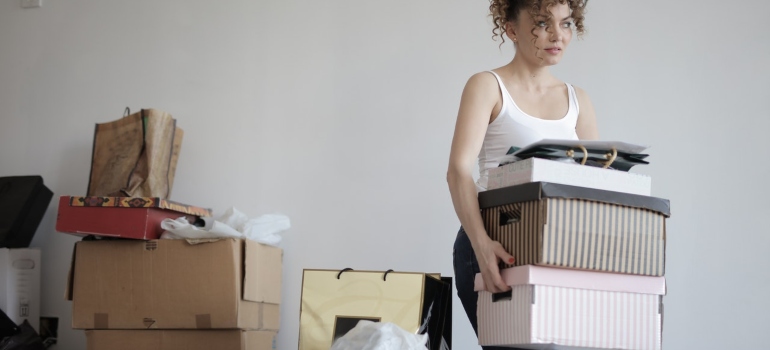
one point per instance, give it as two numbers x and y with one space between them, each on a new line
586 125
479 98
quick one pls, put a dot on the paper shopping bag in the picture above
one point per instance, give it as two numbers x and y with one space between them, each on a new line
135 156
333 302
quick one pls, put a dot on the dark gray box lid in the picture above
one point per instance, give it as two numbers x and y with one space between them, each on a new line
539 190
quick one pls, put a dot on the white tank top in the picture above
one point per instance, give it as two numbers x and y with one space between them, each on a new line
513 127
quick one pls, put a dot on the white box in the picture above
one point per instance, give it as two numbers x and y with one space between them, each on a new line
553 308
20 285
544 170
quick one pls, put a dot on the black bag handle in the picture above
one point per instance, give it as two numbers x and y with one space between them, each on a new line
343 270
384 276
502 296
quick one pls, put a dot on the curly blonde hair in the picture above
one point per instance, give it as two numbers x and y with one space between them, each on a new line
504 11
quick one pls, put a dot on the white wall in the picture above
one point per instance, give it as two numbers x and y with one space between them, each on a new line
340 115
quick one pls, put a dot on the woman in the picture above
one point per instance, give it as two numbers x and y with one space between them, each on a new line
513 105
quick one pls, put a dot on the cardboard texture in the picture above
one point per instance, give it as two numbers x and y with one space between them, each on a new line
179 340
23 203
331 306
172 284
545 311
544 170
20 285
573 227
123 217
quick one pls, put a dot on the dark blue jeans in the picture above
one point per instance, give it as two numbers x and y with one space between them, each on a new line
466 267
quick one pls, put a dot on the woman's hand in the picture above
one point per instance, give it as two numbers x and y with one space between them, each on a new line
488 254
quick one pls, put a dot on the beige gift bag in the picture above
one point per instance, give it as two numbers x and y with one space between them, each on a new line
135 156
334 301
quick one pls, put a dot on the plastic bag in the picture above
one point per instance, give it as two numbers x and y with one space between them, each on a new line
182 229
231 224
265 228
368 335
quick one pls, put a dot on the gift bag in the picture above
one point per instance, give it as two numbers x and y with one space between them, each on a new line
333 302
135 156
606 154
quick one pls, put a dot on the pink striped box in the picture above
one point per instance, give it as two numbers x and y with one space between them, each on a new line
552 308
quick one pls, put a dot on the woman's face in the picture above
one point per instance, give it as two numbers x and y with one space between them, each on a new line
546 44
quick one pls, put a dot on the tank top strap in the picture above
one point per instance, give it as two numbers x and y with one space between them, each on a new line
503 91
573 101
499 80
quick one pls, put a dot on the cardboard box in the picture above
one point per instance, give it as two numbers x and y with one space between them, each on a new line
558 225
20 285
172 284
124 217
544 170
334 301
551 308
180 340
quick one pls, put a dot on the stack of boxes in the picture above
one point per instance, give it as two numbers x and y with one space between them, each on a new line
590 252
135 291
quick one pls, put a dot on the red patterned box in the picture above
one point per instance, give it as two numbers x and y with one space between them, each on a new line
123 217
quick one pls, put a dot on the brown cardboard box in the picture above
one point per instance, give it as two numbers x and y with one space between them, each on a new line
179 340
172 284
558 225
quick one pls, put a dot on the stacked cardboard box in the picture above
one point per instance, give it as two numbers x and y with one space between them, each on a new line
589 261
167 294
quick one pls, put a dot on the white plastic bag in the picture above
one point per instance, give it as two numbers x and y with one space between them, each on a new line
265 228
368 335
180 228
231 224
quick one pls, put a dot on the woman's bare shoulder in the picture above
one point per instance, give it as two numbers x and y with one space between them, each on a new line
481 82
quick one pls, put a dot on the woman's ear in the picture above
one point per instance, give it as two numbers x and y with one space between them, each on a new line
510 31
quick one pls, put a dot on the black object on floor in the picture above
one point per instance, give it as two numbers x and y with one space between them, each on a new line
26 339
23 202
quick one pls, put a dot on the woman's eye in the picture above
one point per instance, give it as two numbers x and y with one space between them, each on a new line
541 24
566 25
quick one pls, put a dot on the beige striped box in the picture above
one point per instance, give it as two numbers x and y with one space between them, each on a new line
574 227
551 308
